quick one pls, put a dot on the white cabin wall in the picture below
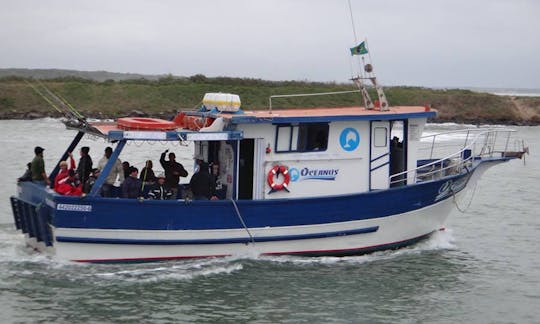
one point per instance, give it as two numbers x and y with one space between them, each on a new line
415 130
350 168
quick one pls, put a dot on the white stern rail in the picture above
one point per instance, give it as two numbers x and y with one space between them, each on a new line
459 148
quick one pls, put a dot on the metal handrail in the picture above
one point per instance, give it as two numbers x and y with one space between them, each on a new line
488 148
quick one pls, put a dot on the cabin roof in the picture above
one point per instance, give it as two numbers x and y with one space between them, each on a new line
327 114
111 130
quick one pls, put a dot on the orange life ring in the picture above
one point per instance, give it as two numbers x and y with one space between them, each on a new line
143 123
275 171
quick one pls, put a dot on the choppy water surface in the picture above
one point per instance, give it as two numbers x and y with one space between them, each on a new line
484 268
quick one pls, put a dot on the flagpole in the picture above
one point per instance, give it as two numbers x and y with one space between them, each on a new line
352 22
355 38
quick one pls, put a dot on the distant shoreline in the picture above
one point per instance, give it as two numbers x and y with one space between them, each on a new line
163 97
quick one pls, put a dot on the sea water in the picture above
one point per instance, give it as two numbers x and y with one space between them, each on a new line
484 268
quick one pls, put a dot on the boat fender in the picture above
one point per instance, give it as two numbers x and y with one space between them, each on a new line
275 171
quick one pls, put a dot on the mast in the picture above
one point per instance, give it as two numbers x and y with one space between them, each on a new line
367 73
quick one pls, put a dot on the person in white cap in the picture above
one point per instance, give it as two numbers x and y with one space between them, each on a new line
159 190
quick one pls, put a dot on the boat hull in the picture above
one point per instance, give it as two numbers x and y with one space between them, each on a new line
85 230
339 239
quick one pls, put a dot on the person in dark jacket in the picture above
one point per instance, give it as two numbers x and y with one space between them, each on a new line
91 181
85 164
173 171
27 176
159 190
125 167
201 183
131 187
37 167
147 174
220 189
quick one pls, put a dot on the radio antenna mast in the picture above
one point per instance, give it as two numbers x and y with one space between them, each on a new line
366 72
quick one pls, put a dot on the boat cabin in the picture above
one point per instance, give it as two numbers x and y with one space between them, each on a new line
287 153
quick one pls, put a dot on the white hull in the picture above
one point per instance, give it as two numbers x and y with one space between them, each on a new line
392 230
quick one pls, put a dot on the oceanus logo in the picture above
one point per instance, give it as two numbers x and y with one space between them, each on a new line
451 187
349 139
318 174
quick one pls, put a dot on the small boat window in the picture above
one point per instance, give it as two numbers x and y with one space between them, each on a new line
302 138
380 137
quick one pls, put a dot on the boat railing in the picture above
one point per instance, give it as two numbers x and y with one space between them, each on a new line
459 149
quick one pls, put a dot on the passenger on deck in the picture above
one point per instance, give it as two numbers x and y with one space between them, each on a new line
69 186
117 173
87 187
85 164
173 172
125 167
159 190
147 175
27 176
38 167
220 189
201 184
64 170
131 188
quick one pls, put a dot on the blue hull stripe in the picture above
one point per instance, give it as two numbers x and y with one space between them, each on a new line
365 230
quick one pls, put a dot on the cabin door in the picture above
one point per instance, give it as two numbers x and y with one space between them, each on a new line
245 169
379 161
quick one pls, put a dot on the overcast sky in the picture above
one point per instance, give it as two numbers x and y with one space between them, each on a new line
454 43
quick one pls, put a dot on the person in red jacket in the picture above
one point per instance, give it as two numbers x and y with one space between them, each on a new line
64 171
70 186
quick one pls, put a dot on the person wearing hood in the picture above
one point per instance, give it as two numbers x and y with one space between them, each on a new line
201 184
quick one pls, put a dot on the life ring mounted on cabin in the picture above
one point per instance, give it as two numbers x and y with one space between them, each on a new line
276 171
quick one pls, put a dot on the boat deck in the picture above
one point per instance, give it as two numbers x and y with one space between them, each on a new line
330 112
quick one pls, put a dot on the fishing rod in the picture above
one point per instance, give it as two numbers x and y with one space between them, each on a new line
36 90
68 111
62 101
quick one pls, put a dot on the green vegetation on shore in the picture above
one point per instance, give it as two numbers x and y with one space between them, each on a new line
163 97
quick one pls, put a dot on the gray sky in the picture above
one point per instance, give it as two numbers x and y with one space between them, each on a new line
432 43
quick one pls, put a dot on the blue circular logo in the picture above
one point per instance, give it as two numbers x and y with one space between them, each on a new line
295 174
349 139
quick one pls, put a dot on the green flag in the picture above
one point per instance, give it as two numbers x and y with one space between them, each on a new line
359 50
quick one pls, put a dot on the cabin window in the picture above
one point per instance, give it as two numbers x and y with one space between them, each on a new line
380 137
305 137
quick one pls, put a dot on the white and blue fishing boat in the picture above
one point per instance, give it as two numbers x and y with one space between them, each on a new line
312 182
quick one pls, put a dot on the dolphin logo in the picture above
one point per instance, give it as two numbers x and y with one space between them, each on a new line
349 139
